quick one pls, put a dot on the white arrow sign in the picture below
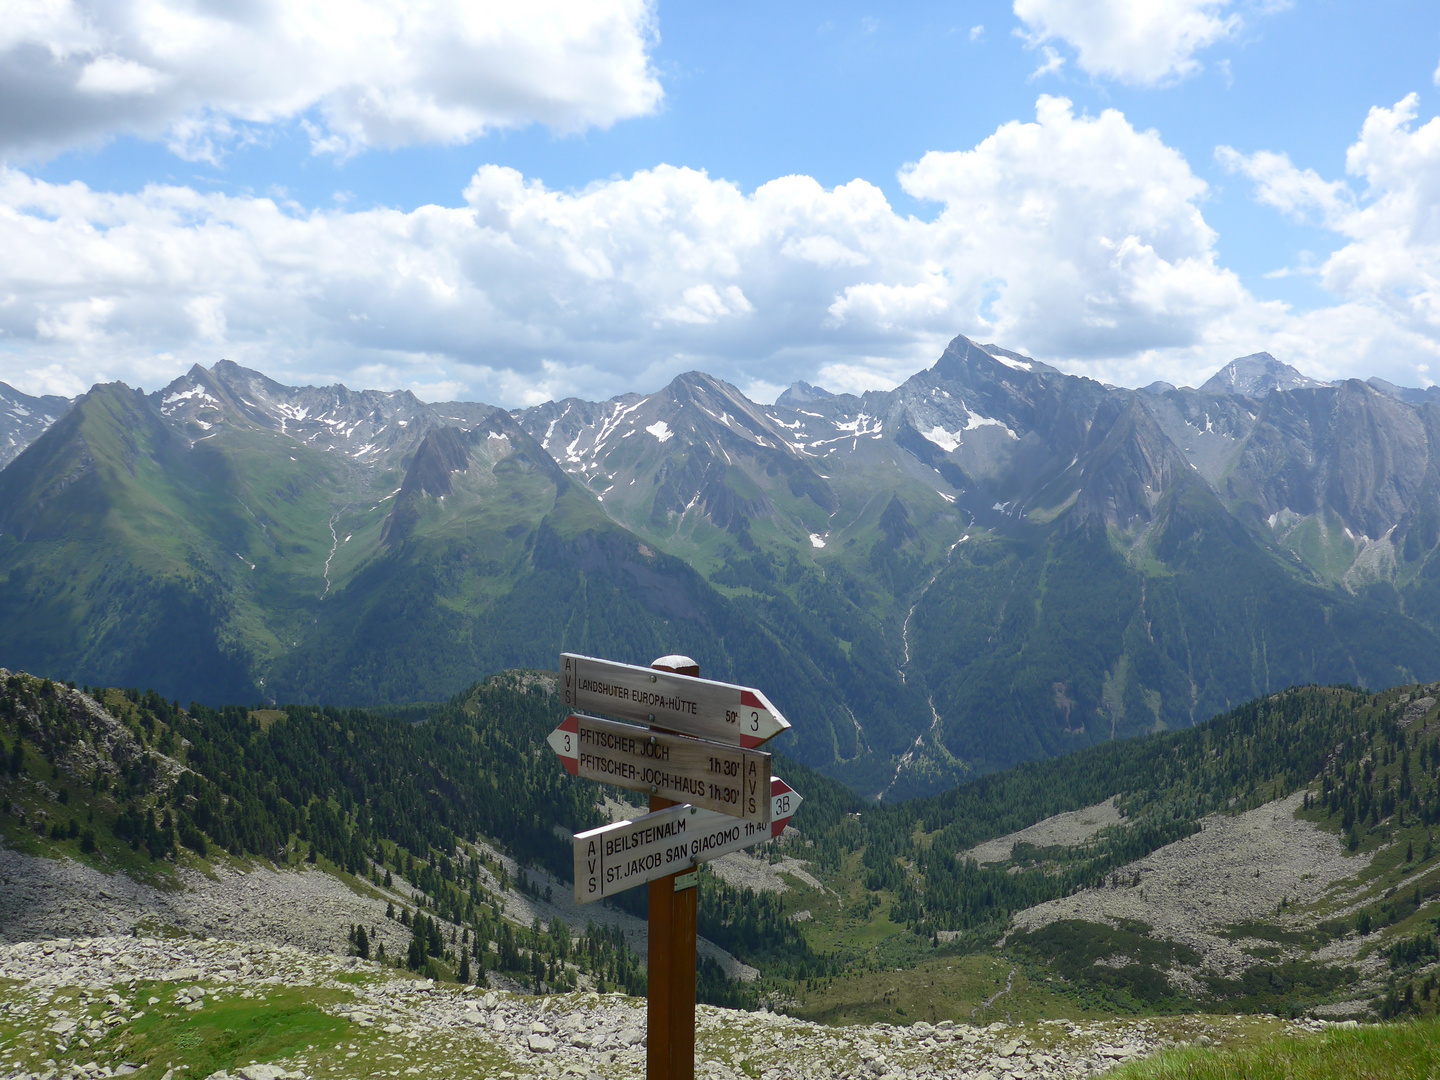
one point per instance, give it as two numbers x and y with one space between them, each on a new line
721 712
710 775
613 858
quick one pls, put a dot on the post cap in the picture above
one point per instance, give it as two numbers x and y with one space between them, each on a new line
680 665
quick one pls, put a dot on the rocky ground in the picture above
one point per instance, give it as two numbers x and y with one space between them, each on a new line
747 871
109 1006
47 898
1236 870
1062 830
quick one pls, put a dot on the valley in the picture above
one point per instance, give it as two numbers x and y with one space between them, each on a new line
992 563
1280 858
1114 712
589 541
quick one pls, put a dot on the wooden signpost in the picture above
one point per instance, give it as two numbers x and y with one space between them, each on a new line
708 787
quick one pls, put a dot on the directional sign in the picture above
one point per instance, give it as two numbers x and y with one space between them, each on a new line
613 858
721 712
709 775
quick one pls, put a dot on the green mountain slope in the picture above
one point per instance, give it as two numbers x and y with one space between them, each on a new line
886 891
105 561
1062 639
490 559
991 563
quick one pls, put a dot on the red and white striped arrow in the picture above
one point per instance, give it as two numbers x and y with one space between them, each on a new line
784 801
564 742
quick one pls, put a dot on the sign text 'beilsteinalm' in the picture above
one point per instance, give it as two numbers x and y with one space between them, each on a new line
613 858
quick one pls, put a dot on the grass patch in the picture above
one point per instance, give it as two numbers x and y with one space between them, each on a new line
263 718
1388 1052
236 1031
152 1028
1124 964
945 988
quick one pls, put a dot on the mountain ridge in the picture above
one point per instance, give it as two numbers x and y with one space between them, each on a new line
907 566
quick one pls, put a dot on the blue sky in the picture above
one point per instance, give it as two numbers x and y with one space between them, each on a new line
485 211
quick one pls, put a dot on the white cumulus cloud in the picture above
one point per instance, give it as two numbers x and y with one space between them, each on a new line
1386 271
1142 42
1087 234
1073 237
1299 194
1077 237
376 72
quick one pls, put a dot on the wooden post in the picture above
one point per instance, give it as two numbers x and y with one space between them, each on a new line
682 983
659 1025
670 968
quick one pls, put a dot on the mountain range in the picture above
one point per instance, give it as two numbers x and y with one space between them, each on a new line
994 562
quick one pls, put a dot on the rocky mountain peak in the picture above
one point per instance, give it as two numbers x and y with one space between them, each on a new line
1409 394
23 418
371 427
802 393
1256 375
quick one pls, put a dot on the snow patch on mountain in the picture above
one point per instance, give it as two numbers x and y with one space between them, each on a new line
946 440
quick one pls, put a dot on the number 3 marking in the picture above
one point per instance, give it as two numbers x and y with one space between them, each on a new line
754 720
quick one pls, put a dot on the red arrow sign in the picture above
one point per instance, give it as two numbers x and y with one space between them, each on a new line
784 800
563 740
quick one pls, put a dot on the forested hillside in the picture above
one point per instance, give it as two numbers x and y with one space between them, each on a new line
131 781
403 791
991 563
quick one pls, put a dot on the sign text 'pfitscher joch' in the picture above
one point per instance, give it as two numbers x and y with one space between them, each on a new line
710 775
